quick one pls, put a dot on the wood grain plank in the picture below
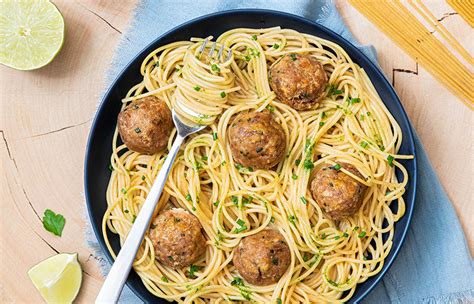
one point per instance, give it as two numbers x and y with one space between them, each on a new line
45 117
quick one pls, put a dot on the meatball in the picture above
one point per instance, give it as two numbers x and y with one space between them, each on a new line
262 258
257 140
145 125
338 194
177 238
298 80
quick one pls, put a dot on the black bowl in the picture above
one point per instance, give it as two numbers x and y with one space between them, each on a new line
99 146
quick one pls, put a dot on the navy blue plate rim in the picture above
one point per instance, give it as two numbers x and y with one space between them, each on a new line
90 164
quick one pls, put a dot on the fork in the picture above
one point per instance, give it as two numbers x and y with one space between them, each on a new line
117 276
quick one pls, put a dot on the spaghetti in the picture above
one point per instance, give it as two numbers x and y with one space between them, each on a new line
397 21
328 258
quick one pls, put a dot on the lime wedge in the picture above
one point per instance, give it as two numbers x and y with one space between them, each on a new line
31 33
57 278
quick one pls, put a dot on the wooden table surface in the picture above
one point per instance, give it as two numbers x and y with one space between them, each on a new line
45 117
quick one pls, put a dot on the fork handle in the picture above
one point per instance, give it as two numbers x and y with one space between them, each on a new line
118 274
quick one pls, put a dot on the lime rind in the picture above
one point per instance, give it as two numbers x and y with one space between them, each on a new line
31 33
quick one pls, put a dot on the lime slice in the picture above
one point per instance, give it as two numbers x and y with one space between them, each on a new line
57 278
31 33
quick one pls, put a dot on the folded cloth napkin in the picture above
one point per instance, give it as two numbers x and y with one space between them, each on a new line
434 264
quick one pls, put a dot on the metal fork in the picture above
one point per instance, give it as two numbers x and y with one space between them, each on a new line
113 285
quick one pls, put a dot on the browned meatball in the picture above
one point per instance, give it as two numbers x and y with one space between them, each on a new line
338 194
145 125
262 258
177 238
257 140
298 80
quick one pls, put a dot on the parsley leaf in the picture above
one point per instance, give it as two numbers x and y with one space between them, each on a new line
390 160
53 222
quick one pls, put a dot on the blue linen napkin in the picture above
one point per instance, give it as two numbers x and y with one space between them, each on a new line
434 265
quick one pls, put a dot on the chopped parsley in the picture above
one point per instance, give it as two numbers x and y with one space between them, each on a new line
215 68
247 58
237 282
362 234
138 130
353 100
216 203
303 200
164 279
126 211
323 236
170 258
272 219
390 160
157 64
364 144
234 200
362 117
292 219
275 46
323 115
254 37
337 237
279 301
321 123
188 197
242 227
270 108
355 228
297 162
294 176
143 177
204 158
333 90
223 94
308 164
192 269
214 136
124 191
293 57
134 218
336 167
345 234
197 88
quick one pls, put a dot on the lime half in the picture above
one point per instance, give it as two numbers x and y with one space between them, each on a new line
31 33
57 278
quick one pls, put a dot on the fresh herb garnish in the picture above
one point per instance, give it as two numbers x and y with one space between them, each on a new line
293 57
362 234
321 123
53 222
308 164
333 90
303 200
353 100
214 136
279 301
254 37
192 270
143 177
164 279
272 219
242 227
336 167
292 219
364 144
294 176
188 197
275 46
215 68
216 203
223 94
197 88
345 234
138 130
270 108
390 160
297 162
